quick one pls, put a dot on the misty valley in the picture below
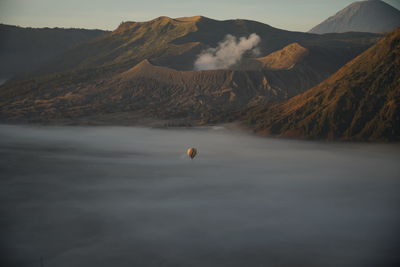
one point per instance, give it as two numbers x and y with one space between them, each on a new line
128 196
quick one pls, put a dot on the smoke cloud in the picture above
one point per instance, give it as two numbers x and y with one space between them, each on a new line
227 53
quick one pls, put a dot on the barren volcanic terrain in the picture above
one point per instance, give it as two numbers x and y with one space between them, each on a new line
145 70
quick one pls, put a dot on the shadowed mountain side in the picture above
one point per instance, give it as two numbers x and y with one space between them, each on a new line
359 102
322 62
363 16
210 32
158 92
181 61
24 49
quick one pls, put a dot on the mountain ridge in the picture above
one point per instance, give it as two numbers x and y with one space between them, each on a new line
359 102
165 36
25 48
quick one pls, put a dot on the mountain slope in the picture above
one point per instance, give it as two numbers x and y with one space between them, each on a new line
318 61
285 58
364 16
24 49
359 102
159 55
157 91
175 43
129 44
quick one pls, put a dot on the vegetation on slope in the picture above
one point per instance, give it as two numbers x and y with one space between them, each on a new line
24 49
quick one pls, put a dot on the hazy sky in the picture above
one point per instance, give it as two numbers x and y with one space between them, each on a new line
107 14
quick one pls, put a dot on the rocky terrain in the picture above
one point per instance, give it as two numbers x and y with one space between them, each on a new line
146 68
359 102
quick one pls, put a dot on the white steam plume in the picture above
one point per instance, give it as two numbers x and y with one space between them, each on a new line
227 53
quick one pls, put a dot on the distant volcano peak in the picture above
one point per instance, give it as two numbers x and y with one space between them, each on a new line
364 16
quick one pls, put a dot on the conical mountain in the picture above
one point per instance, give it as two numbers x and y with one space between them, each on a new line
365 16
359 102
285 58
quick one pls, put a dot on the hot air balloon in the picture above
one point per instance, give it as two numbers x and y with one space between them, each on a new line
191 152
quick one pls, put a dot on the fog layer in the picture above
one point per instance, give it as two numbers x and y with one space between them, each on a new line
121 196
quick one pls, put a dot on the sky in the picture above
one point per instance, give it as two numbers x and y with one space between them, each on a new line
108 14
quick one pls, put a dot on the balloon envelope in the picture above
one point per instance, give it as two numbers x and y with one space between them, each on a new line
191 152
